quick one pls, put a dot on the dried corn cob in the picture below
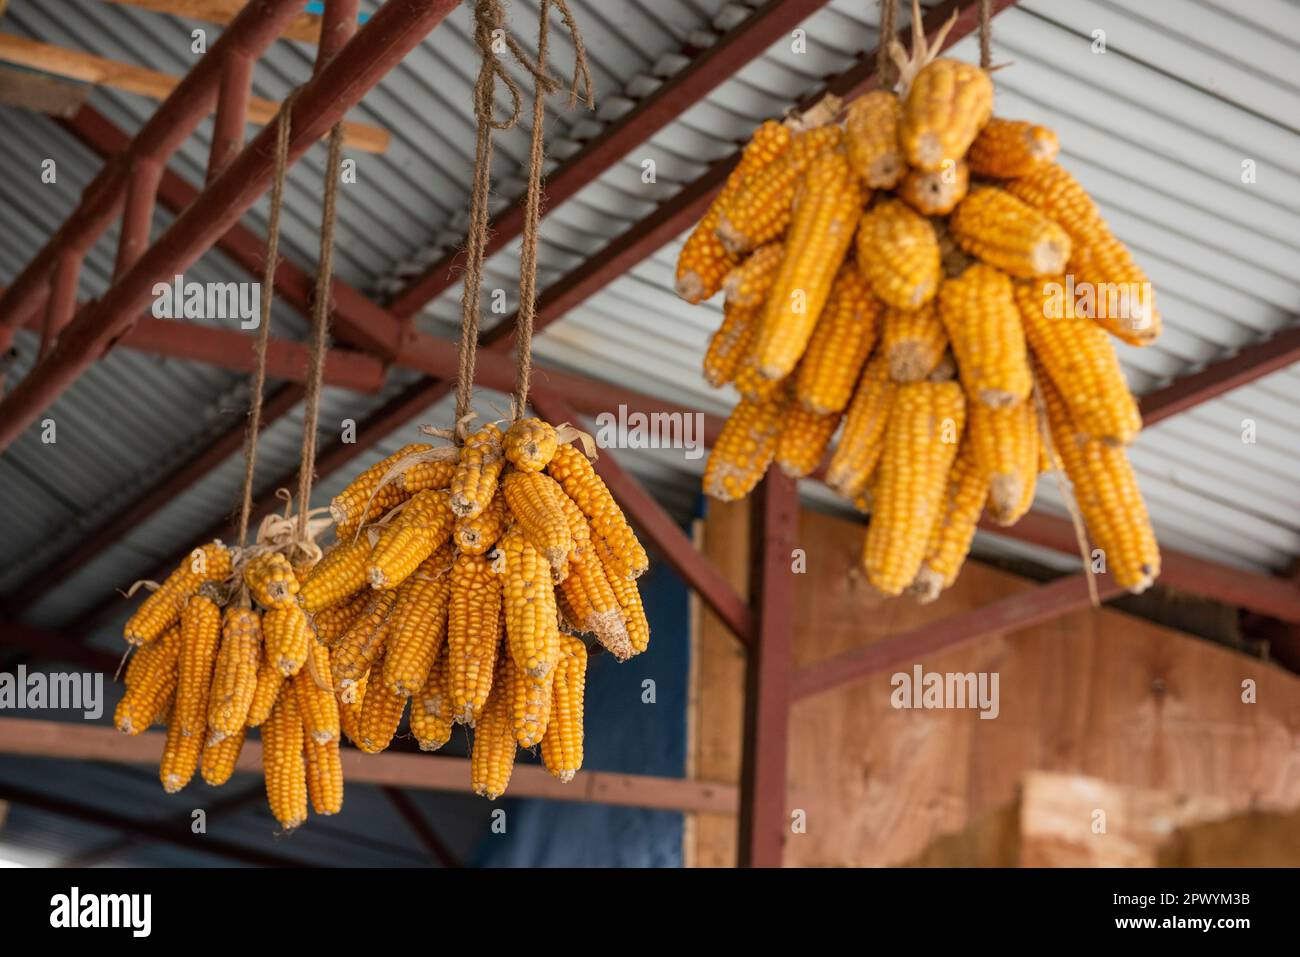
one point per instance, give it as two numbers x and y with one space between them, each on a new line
477 472
288 637
821 231
805 437
899 254
493 756
361 645
937 192
180 757
530 702
162 609
283 765
579 527
324 770
745 447
473 634
270 679
979 311
871 134
921 442
529 444
339 574
1056 194
860 445
316 700
217 762
200 636
953 530
534 502
426 476
477 535
1008 148
381 713
431 708
151 680
414 535
562 745
844 337
1004 444
913 342
591 604
234 679
1013 236
270 579
528 593
572 469
350 710
730 344
363 500
751 384
1122 301
948 104
629 602
418 625
330 624
748 284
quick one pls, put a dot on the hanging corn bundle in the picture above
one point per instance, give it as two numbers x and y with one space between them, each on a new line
463 573
904 279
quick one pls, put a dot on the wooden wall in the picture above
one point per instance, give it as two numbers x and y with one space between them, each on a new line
1097 693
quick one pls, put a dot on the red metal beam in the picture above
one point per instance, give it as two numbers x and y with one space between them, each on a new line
49 644
763 823
62 302
232 112
137 216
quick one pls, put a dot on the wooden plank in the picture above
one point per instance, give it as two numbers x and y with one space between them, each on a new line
44 94
88 68
304 27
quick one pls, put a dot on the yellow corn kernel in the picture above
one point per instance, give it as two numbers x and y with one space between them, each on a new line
954 529
200 637
871 135
530 701
217 762
270 579
591 604
844 337
180 757
418 625
748 284
413 536
270 679
534 500
1080 360
1007 148
288 637
579 527
1107 493
751 384
528 595
979 311
805 437
562 745
730 344
350 710
324 768
993 225
381 713
492 758
362 644
821 232
921 442
477 471
937 192
339 574
473 634
316 701
234 679
529 444
629 602
898 253
477 535
913 342
1004 444
283 765
855 457
947 105
1060 197
431 708
572 469
330 624
425 476
1114 291
363 500
745 447
162 609
151 679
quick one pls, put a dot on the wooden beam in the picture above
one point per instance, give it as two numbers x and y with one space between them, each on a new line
82 742
305 27
24 90
88 68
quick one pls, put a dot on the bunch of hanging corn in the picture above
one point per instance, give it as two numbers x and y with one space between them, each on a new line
902 280
224 645
459 583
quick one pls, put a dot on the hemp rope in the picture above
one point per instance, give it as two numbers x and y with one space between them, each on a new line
986 34
888 28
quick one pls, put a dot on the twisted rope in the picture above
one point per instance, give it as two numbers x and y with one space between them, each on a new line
888 29
986 34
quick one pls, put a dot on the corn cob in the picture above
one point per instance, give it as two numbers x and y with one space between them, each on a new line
477 535
200 636
162 609
821 232
480 465
751 384
330 624
979 311
270 679
948 104
1004 444
324 770
350 710
1123 302
1056 194
591 604
921 441
234 679
1081 362
283 765
950 538
844 337
1009 148
473 634
530 701
431 708
805 437
418 626
414 535
745 447
217 762
151 680
381 713
528 604
629 602
363 500
270 579
316 701
529 444
704 261
871 134
1013 236
761 209
1108 497
572 469
730 344
899 254
492 758
937 192
860 445
425 476
534 501
339 574
562 745
913 342
288 637
180 757
748 284
358 649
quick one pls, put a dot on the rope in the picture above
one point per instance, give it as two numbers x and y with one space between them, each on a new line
986 34
268 292
320 319
888 29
